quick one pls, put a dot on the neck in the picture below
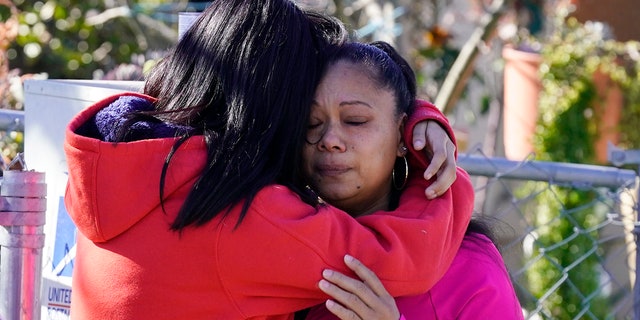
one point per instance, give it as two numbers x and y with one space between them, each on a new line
364 208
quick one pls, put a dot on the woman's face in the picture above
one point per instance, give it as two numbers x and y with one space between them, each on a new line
358 137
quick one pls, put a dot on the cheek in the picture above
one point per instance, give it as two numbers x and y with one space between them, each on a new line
390 155
378 159
385 164
307 159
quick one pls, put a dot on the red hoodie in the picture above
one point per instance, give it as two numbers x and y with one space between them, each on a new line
130 265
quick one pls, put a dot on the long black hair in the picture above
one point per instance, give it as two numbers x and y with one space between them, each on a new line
243 76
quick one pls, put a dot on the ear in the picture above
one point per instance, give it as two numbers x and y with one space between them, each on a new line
402 148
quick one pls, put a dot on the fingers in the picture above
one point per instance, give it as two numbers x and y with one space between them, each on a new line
364 298
340 311
446 174
347 304
437 160
350 292
366 275
443 162
419 135
441 185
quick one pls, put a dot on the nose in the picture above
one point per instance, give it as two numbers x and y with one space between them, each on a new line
332 139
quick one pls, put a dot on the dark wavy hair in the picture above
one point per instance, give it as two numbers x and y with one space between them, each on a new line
243 76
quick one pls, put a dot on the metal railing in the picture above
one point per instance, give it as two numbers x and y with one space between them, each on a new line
11 120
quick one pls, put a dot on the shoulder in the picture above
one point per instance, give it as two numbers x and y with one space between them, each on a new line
273 192
477 284
477 269
277 201
477 251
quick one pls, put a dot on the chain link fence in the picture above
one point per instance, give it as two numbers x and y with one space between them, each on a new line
567 233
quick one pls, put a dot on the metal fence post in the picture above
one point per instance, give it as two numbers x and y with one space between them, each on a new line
636 231
22 217
620 157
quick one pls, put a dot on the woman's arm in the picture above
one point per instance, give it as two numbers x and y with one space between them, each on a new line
276 256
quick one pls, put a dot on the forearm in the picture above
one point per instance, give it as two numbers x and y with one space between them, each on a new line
285 245
425 111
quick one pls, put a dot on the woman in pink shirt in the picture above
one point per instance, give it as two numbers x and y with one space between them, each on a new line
360 106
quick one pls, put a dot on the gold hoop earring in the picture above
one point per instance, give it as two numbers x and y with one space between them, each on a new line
406 175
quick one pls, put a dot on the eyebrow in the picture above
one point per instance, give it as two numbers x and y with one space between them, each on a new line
346 103
354 102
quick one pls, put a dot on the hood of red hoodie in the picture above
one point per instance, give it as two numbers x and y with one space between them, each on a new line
112 186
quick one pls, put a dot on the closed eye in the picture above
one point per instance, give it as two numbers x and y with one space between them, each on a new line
356 121
314 125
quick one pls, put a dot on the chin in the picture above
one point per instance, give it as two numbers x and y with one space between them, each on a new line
332 195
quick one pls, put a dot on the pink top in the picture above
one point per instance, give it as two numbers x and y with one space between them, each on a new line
476 286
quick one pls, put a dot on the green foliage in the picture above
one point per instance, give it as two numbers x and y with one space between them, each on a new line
625 71
564 132
566 272
5 13
11 144
78 39
569 124
70 39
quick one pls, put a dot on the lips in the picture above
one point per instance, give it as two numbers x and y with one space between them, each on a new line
331 169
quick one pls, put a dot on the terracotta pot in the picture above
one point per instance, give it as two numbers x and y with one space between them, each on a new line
521 91
522 87
608 110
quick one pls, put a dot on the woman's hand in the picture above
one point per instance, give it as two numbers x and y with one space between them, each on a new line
364 298
441 150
